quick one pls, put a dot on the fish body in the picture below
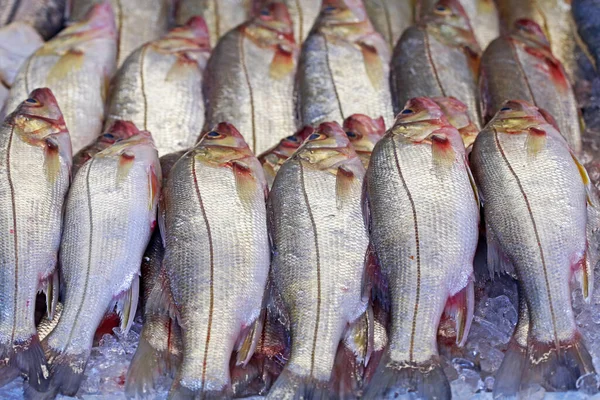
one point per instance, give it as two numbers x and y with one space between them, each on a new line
221 16
76 65
159 87
424 227
536 202
35 153
250 78
390 17
521 66
46 16
458 115
437 58
109 217
344 67
137 21
364 132
319 246
586 14
216 258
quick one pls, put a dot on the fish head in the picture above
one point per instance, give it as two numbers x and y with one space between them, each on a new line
528 29
418 119
272 23
457 114
139 147
517 116
364 132
344 18
326 147
117 131
222 144
449 22
193 36
273 159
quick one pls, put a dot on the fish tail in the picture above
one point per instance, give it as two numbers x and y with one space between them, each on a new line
66 371
425 380
292 386
147 365
508 377
27 357
8 373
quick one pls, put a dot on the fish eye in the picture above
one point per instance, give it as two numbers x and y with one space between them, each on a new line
329 9
32 101
406 111
213 134
108 136
351 134
315 136
441 8
265 12
505 109
292 138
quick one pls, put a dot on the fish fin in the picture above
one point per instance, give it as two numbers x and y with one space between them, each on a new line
125 163
51 159
484 97
584 276
508 376
292 386
358 338
472 182
374 284
127 304
68 63
50 289
592 198
245 181
392 379
276 306
497 261
161 301
246 347
536 141
373 64
153 186
556 368
442 151
66 371
460 308
183 66
27 357
344 180
347 375
8 373
282 64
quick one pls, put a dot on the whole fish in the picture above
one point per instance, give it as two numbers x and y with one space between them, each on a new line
216 257
137 21
458 115
274 158
538 202
77 66
46 16
221 16
587 14
521 66
118 130
17 42
159 87
344 67
109 217
250 78
319 244
424 214
482 14
390 17
35 153
437 58
364 132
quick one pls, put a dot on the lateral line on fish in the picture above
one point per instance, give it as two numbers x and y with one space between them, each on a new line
27 69
318 255
143 85
300 20
388 22
119 28
522 72
433 67
250 90
217 20
335 90
418 253
212 271
15 241
535 230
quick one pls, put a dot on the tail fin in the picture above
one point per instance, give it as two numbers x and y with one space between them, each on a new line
66 371
147 365
508 377
27 357
8 374
180 392
291 386
426 380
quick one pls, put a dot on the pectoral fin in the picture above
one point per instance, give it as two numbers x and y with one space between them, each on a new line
67 64
153 187
359 337
51 159
443 153
460 308
592 198
125 163
247 345
536 141
282 64
345 179
127 304
373 64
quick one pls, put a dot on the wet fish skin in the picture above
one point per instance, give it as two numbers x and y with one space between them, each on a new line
319 246
586 14
76 65
137 21
437 58
457 114
521 66
390 17
424 228
109 217
343 68
216 258
46 16
250 78
221 16
159 87
524 167
36 163
364 132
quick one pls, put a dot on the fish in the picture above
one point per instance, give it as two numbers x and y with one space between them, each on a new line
424 223
36 162
586 14
109 217
319 242
274 158
302 12
457 114
364 132
45 16
343 67
136 21
221 16
214 227
521 66
390 17
538 207
76 65
438 57
483 15
250 78
159 87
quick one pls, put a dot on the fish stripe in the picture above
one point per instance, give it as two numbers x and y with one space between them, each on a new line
535 230
418 254
335 90
143 85
15 240
522 72
250 91
217 21
300 21
212 272
433 67
318 256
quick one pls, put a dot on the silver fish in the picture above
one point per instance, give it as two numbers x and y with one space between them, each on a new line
35 153
390 17
424 214
46 16
216 257
319 247
159 87
538 201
